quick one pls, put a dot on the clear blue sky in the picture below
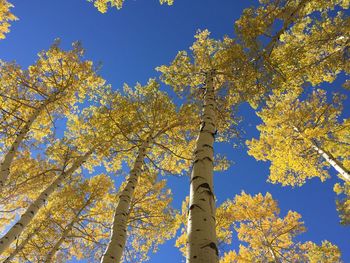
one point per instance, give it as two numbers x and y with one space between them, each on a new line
130 43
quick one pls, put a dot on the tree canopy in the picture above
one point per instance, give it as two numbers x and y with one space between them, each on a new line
94 170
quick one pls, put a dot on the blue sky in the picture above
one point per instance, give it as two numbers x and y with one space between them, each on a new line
130 43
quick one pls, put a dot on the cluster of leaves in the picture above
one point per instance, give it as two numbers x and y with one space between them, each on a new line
281 46
103 5
152 219
5 17
265 235
343 204
72 223
289 131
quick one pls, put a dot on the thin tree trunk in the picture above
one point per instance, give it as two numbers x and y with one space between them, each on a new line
271 250
66 231
338 166
56 247
202 243
114 251
10 155
13 233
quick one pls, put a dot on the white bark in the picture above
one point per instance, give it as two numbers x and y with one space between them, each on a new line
21 246
13 233
118 238
338 166
10 155
270 248
202 243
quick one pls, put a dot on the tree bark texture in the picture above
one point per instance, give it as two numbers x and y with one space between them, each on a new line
114 251
14 232
338 166
201 235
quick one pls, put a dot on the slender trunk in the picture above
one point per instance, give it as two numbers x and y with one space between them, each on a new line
272 251
56 247
13 233
65 233
10 155
114 251
21 246
273 254
338 166
202 243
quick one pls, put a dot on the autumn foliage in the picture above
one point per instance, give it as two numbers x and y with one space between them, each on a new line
84 165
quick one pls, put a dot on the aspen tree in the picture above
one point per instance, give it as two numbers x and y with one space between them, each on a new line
264 236
66 154
151 221
103 5
118 234
301 138
220 77
269 237
161 139
292 44
69 159
71 222
19 247
31 98
253 69
6 17
224 224
29 176
13 233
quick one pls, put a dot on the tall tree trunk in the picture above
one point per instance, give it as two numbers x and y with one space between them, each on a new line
338 166
10 155
114 251
202 243
22 245
13 233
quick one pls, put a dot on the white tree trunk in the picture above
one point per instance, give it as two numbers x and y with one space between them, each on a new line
270 248
202 243
13 233
338 166
21 246
115 248
10 155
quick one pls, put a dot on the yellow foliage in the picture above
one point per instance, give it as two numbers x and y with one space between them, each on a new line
265 236
5 17
145 111
343 203
234 77
87 204
49 89
102 5
151 221
289 132
28 178
293 43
